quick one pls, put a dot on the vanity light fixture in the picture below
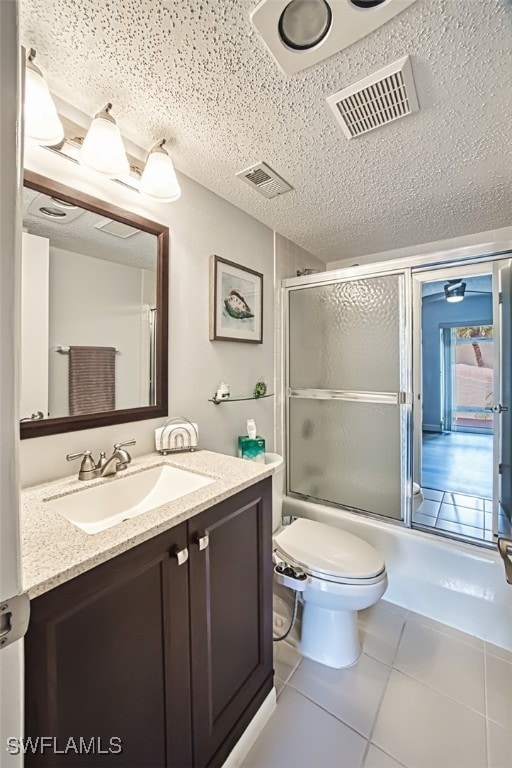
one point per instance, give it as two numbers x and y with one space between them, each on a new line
42 123
159 177
103 149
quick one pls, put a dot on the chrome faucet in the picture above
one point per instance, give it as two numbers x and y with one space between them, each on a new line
119 460
105 467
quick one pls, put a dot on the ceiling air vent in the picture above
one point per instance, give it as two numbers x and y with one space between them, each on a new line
381 98
265 180
116 228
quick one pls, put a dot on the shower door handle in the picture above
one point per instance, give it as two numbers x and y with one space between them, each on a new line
499 408
505 550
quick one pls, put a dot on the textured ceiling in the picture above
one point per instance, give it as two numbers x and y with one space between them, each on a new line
81 236
196 72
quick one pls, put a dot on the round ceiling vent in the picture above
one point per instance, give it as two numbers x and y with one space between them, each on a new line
304 23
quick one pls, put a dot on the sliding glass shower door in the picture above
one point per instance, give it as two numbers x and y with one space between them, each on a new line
347 407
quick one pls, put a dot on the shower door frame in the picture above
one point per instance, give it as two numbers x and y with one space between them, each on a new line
402 399
441 272
464 256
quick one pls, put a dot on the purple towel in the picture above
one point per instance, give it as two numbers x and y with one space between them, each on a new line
92 379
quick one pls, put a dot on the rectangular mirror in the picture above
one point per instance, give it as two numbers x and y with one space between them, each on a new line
94 310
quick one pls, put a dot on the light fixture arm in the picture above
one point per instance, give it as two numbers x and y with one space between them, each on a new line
104 113
30 62
159 147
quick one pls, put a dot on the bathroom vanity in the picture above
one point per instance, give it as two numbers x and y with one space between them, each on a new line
159 638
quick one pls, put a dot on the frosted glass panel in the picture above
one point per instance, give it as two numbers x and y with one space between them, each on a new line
346 335
347 453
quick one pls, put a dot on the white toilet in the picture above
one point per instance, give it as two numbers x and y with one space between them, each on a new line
345 574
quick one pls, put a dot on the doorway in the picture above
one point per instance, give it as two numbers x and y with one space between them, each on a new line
467 378
457 441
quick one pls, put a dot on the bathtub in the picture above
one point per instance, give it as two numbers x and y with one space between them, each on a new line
458 584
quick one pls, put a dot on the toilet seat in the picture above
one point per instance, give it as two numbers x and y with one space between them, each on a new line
329 554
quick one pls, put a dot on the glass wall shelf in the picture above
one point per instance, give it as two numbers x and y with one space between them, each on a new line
219 400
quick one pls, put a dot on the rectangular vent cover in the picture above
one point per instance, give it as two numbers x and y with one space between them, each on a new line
116 228
381 98
265 180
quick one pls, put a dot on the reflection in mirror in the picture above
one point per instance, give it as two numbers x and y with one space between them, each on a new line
90 320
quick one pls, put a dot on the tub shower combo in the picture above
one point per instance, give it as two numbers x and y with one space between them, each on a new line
351 401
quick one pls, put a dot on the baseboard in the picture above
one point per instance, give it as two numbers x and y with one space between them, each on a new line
244 744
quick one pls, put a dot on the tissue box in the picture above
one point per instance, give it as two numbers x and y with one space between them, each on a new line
252 448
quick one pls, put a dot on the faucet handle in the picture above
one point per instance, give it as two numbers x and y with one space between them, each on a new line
73 456
121 445
86 467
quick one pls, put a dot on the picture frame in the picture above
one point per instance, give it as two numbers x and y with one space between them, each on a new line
236 302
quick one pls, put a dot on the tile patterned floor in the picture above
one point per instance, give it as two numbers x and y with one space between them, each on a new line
468 516
422 695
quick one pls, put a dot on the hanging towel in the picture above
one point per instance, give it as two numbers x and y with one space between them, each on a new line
92 379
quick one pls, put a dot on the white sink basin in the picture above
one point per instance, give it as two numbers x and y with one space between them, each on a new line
102 506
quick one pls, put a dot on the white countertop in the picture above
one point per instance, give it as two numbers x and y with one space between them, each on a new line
53 550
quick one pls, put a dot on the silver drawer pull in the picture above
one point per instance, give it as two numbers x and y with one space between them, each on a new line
203 541
181 555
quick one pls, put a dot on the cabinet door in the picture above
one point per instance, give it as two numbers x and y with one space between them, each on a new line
107 656
231 619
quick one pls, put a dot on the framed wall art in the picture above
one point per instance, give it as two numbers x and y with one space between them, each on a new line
236 302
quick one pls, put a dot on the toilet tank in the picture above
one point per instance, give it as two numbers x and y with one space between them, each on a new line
275 461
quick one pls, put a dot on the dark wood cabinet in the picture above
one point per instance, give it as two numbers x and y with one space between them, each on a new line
170 660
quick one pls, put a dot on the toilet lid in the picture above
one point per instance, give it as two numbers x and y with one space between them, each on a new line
329 551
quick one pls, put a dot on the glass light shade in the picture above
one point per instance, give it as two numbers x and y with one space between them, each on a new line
103 149
454 292
304 23
454 299
42 123
159 177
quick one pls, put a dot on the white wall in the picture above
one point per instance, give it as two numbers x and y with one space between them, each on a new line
94 302
35 263
200 224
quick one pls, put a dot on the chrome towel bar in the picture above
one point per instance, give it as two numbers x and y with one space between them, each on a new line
65 350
